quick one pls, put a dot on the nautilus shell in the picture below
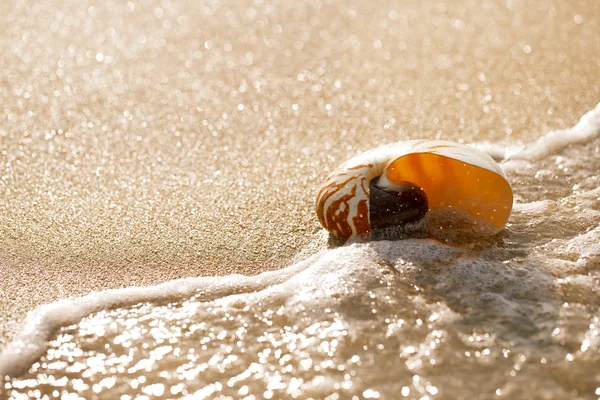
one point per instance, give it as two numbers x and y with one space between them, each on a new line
402 183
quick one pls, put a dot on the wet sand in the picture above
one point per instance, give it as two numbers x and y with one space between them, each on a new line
142 142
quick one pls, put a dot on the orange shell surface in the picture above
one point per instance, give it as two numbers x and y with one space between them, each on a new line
452 183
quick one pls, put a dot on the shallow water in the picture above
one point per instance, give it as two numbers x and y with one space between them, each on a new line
513 316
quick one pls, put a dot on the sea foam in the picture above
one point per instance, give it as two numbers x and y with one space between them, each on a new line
586 129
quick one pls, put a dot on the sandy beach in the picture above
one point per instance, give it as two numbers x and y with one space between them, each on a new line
143 142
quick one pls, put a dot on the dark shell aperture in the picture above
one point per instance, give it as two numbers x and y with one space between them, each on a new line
405 203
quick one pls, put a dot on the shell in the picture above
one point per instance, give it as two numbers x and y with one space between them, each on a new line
454 177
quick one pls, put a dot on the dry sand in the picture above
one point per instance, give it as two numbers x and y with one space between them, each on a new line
146 141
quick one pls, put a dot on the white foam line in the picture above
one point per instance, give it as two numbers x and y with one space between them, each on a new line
42 323
586 129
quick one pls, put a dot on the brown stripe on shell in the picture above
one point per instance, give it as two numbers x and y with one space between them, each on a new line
361 221
333 177
439 146
336 220
359 167
324 194
328 190
330 183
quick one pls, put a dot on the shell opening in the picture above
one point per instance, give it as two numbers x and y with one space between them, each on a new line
395 204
